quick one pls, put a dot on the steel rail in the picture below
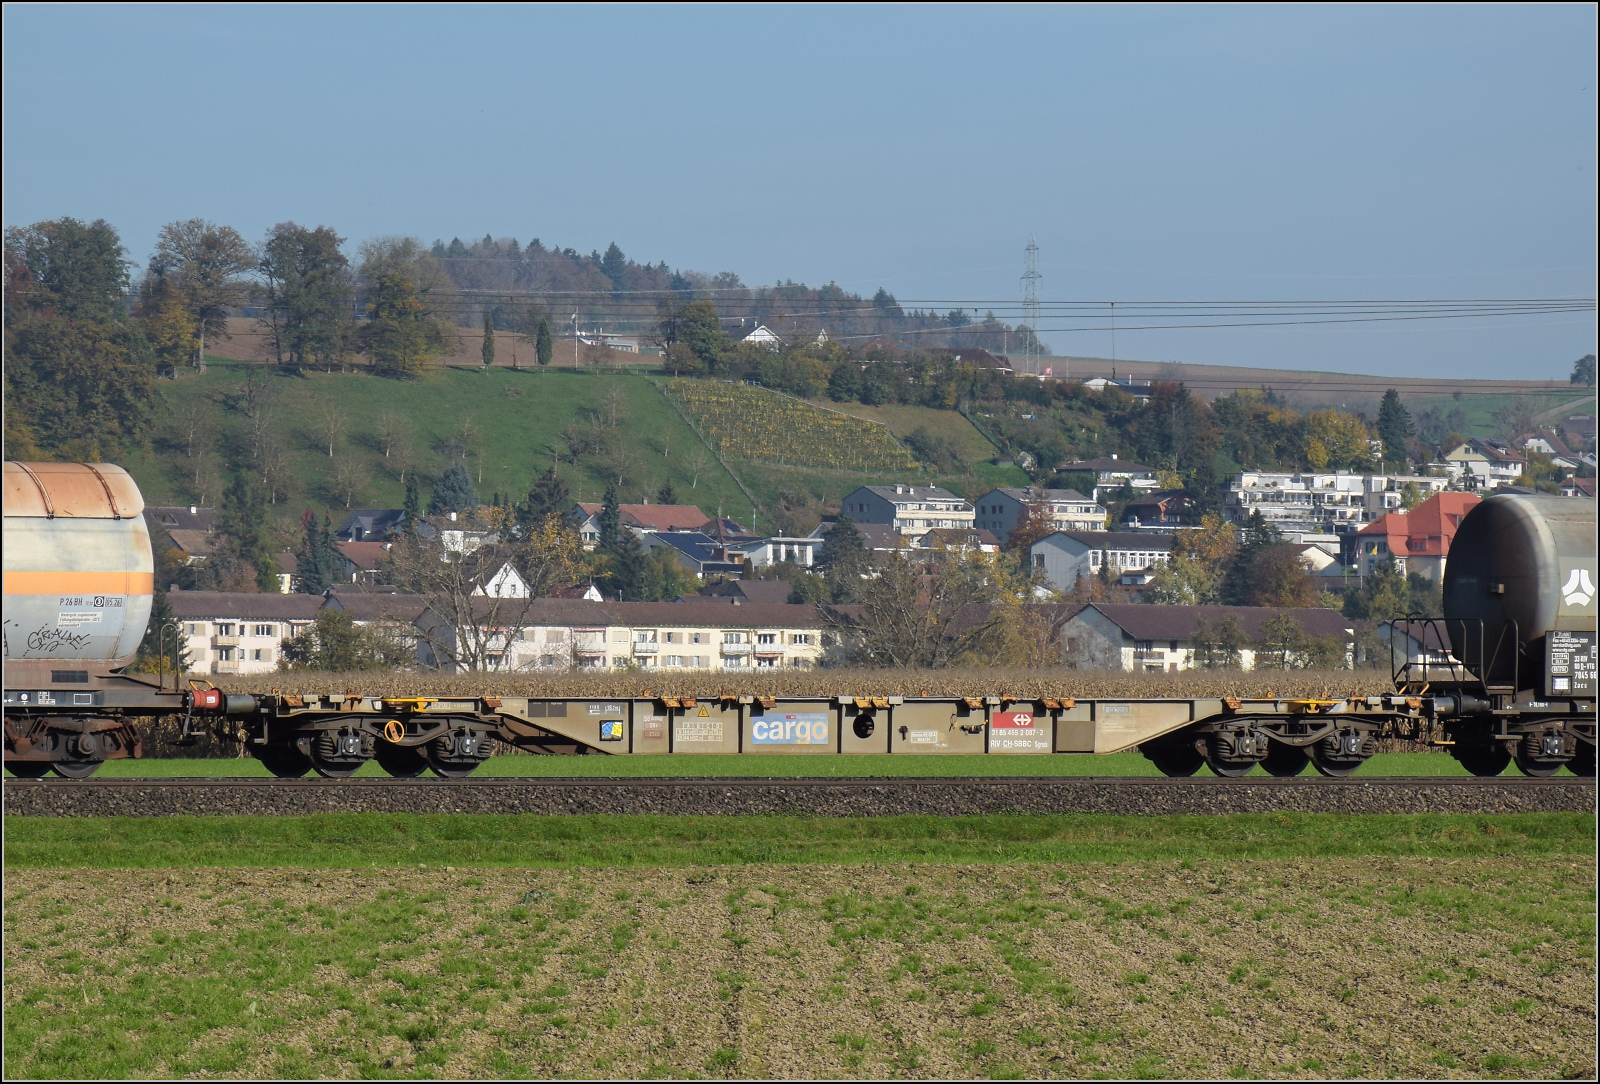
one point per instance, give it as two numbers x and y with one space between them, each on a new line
800 782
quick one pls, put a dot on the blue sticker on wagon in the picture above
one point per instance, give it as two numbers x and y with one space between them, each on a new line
611 730
790 729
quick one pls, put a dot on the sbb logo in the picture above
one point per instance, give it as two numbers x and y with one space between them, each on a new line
1012 720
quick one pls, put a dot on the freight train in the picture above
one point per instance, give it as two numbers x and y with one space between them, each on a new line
1506 673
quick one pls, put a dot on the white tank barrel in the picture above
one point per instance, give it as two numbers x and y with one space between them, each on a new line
78 568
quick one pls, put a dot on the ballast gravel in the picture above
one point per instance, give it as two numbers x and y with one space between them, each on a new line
812 798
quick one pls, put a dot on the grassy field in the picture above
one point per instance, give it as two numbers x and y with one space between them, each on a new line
690 765
520 417
1390 963
364 840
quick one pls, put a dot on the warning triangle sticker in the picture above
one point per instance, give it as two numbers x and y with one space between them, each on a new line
704 714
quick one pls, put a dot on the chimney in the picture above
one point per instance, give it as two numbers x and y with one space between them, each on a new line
452 517
1113 455
193 511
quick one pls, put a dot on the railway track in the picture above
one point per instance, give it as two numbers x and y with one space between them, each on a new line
1139 795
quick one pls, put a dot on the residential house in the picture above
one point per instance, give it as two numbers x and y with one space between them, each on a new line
385 609
1387 492
370 525
761 552
1292 501
1067 555
288 572
641 519
363 561
999 510
742 592
879 538
1160 510
239 632
187 527
1415 542
1133 637
1485 464
910 510
553 634
1112 475
957 540
764 337
1578 487
699 553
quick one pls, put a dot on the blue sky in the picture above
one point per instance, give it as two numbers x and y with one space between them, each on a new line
1157 153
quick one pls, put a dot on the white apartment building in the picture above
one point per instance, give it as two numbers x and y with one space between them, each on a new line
1067 555
1066 509
234 632
1112 474
1485 464
1385 492
910 510
560 634
1292 501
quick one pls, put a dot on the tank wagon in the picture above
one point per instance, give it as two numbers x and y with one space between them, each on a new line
1513 676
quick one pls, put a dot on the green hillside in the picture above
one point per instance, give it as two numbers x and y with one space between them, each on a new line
510 425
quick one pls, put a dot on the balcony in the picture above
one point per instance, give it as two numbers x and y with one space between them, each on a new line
224 641
645 647
736 649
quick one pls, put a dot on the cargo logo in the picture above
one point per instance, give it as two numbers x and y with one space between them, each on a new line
1014 720
611 730
797 729
1578 589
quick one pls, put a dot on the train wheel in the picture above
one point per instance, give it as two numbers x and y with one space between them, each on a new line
284 761
334 769
1538 769
75 769
1484 760
1178 762
28 769
400 761
1582 762
450 769
1334 769
1227 769
1285 760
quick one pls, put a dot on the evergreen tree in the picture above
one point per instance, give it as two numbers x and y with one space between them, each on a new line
454 492
630 575
610 518
666 494
1240 584
842 548
547 496
488 339
413 504
543 345
614 266
1394 426
320 560
243 526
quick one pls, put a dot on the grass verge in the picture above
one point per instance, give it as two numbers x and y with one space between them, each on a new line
767 765
365 840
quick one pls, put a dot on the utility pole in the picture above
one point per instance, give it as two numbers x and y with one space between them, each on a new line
574 342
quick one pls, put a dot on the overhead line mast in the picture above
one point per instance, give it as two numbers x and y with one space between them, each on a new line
1030 296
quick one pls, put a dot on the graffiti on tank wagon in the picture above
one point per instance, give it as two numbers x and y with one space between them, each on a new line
50 641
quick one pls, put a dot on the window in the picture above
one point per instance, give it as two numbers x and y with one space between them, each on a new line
698 638
733 638
225 628
554 636
1038 560
197 630
264 630
767 638
619 662
261 654
767 664
224 654
670 637
697 660
547 660
644 637
738 662
801 638
1174 645
619 636
672 660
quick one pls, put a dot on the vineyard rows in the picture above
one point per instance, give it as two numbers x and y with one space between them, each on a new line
754 424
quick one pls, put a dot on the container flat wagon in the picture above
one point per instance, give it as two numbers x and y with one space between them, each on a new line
1517 683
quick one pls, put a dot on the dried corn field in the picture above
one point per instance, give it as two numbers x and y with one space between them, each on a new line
762 426
976 681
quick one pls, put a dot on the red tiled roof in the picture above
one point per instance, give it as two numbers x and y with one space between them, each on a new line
1428 529
366 556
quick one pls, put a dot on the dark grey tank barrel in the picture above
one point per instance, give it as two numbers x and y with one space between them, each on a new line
1521 565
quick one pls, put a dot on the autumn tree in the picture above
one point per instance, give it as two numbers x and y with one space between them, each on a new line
80 377
205 265
334 642
308 295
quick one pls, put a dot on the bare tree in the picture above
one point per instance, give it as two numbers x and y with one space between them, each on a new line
699 460
392 426
614 407
349 479
402 457
330 423
468 625
276 465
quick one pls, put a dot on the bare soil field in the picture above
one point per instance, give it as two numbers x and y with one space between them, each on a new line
1378 967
